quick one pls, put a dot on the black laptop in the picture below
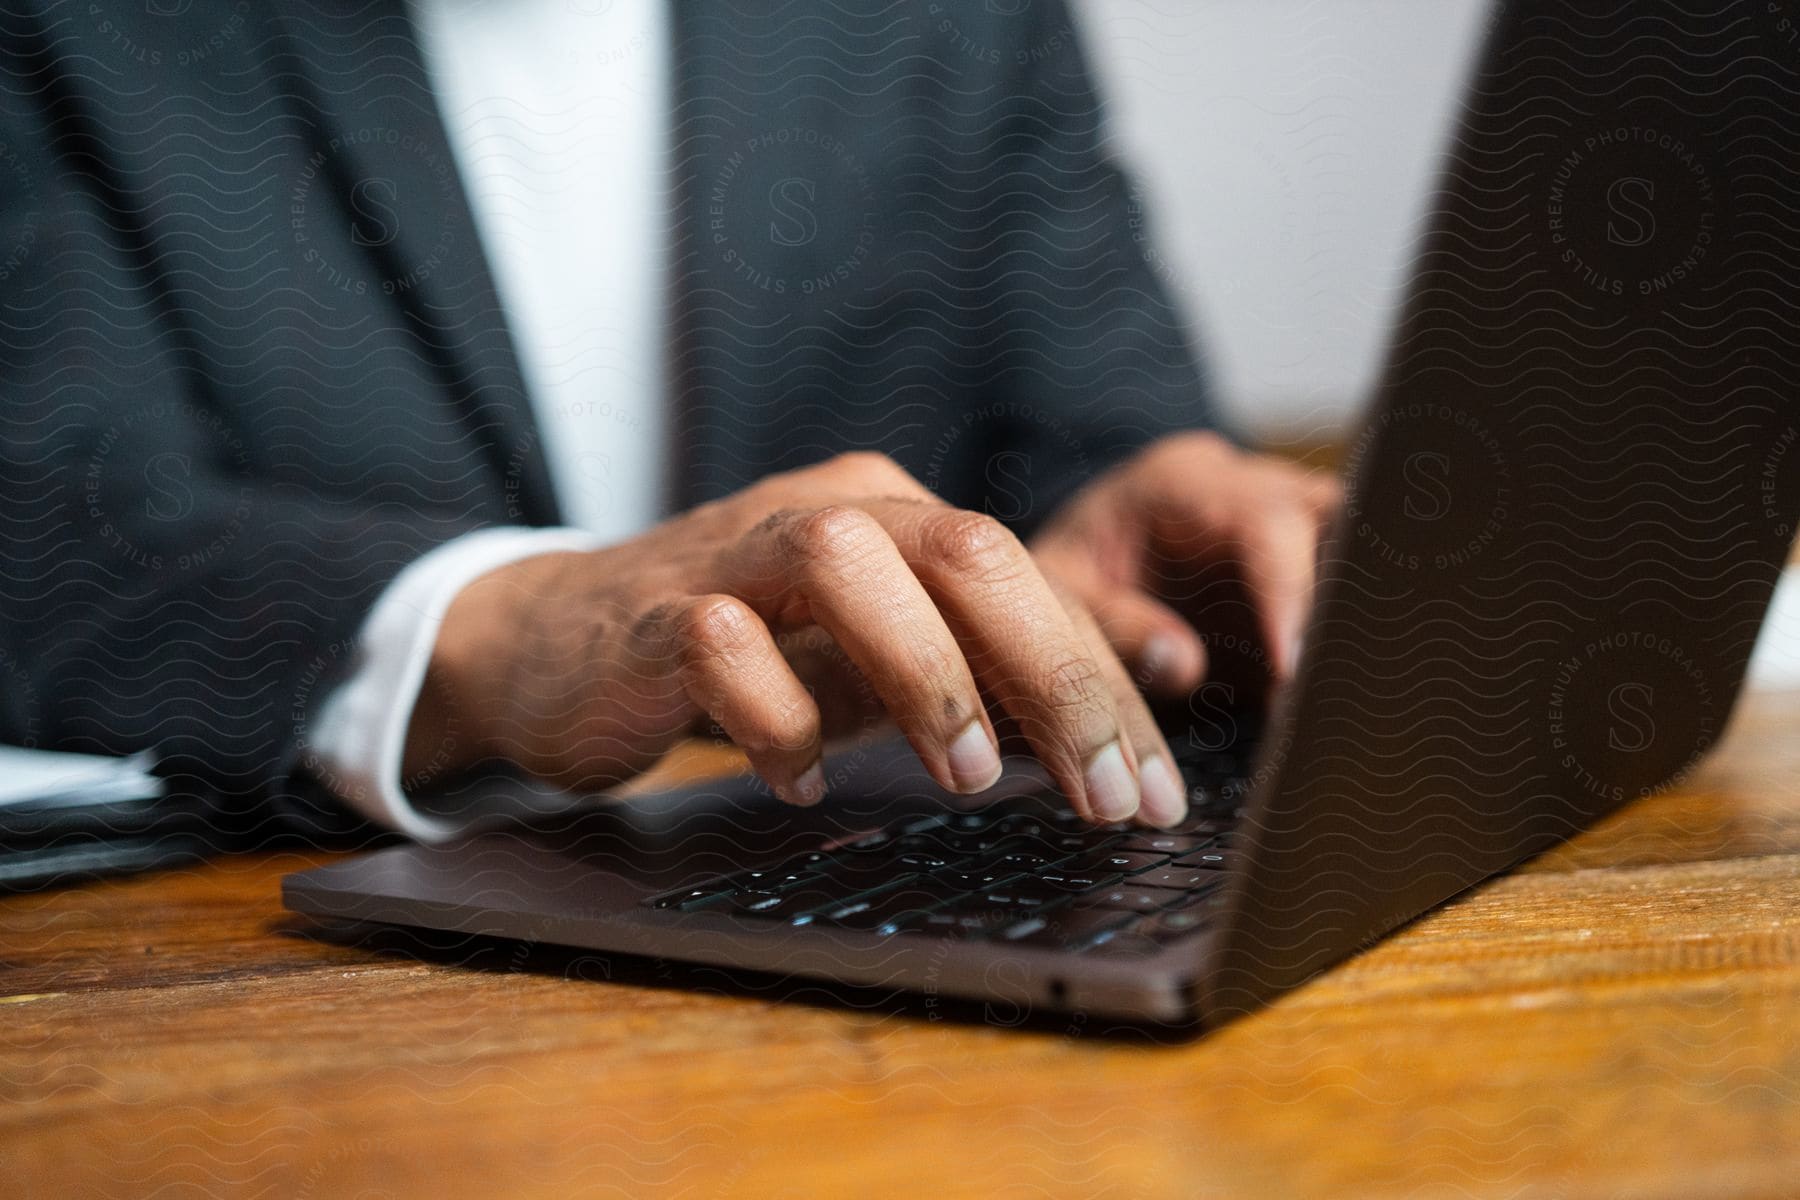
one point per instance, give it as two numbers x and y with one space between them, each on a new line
1568 507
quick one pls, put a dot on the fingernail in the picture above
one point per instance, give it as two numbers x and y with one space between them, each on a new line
1168 662
974 762
1165 800
1112 792
809 789
1158 660
1290 649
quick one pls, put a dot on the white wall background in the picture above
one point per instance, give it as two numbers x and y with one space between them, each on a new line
1285 147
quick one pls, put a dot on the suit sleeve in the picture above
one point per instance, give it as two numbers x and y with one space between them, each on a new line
1093 360
157 592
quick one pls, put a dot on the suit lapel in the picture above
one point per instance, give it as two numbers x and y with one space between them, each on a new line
378 138
775 157
712 394
692 147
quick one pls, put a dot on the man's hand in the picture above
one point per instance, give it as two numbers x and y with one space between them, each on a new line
586 668
1195 503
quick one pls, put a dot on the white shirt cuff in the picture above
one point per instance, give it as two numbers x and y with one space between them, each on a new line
358 736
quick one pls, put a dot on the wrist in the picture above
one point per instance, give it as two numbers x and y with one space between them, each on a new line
468 699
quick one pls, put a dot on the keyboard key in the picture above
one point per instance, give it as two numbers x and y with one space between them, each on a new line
1180 878
1198 825
1165 843
1065 927
972 881
770 879
854 876
1206 802
698 896
1024 892
1026 826
1057 835
1027 860
885 908
1126 862
1050 844
1074 883
797 904
1130 899
1204 860
756 903
925 860
1098 840
952 843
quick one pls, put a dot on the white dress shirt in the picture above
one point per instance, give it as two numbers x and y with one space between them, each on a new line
557 112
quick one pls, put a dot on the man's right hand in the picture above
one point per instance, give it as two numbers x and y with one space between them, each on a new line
585 668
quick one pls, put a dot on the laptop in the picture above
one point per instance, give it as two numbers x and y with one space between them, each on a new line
1568 505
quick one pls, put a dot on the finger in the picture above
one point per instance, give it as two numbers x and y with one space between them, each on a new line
1323 495
864 473
1164 797
730 667
1279 549
1275 518
837 567
1166 653
847 700
1024 650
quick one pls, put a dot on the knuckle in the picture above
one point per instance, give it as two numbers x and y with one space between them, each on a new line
869 464
1185 450
1073 682
717 625
835 532
971 542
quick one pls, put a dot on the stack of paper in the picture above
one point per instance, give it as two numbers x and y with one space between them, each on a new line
51 779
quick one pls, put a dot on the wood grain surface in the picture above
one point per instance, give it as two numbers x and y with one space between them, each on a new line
1619 1019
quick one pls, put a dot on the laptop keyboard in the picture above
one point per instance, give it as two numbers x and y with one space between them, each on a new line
1046 881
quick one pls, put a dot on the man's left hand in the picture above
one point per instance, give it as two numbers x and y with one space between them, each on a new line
1191 499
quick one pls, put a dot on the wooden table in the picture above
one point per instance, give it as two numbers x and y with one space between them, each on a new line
1620 1019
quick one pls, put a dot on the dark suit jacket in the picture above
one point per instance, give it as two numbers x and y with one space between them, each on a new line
253 362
